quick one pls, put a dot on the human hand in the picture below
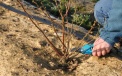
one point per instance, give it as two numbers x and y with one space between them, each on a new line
100 47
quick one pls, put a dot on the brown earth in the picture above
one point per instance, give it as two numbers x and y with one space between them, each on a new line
25 52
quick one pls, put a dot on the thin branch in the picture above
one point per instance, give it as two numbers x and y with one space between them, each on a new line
67 8
52 21
54 48
63 23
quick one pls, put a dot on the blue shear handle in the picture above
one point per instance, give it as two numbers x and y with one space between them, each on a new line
87 49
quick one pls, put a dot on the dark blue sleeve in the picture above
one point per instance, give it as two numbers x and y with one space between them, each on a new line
112 30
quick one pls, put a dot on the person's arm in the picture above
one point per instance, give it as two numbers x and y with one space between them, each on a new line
111 31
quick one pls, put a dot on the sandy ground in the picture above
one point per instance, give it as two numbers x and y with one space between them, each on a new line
25 52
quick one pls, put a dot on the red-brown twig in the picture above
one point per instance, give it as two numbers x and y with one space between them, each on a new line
53 47
63 16
52 22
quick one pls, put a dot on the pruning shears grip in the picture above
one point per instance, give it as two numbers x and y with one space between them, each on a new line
86 49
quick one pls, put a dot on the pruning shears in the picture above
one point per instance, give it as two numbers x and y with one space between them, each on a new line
86 49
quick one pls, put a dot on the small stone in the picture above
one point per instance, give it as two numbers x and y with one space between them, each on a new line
59 34
17 31
15 19
45 30
10 35
3 28
43 43
51 64
35 49
15 73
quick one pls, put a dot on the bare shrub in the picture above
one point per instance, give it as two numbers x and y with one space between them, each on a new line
66 58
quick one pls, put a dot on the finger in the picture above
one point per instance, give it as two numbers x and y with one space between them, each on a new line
108 50
94 52
99 52
103 52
